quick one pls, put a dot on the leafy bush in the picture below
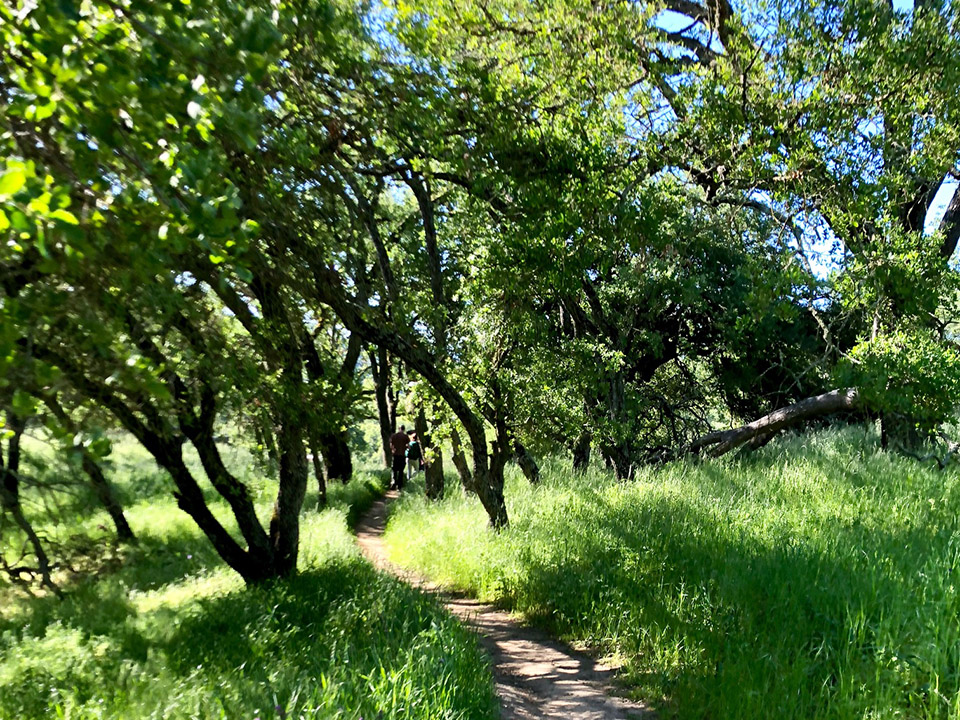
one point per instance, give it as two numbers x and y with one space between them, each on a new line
910 373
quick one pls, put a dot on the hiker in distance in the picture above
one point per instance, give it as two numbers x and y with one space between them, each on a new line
398 446
414 456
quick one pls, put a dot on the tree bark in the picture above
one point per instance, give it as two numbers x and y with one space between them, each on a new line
900 432
492 498
526 462
764 428
101 486
380 369
285 523
10 500
432 459
318 474
98 481
166 446
334 444
232 490
460 462
336 455
950 226
617 446
488 483
581 451
618 457
421 190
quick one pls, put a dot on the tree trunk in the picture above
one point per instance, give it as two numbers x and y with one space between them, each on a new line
251 565
10 499
101 486
581 452
489 485
232 490
526 462
333 444
264 437
460 462
421 190
336 456
432 459
617 449
764 428
387 419
285 523
433 475
620 458
318 474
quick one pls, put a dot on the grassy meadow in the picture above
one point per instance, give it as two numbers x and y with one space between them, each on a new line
164 630
817 578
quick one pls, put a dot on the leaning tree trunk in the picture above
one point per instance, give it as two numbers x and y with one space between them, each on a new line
432 459
101 486
763 429
488 481
98 481
460 462
526 462
490 488
10 500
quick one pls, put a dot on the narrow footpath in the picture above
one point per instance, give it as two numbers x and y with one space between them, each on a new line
538 678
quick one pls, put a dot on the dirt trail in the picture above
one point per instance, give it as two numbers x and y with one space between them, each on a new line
537 677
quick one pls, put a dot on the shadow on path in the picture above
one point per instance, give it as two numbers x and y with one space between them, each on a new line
538 678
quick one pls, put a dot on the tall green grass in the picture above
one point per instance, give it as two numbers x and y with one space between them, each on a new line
816 579
165 630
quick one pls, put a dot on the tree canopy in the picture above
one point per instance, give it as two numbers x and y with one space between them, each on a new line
575 225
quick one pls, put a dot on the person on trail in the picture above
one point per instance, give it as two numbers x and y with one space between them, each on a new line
414 456
398 446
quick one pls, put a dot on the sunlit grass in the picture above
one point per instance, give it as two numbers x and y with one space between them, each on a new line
815 579
167 631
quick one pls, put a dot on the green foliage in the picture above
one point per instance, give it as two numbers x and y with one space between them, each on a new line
911 373
165 631
814 579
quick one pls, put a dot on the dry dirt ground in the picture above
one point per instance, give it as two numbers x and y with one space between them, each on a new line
537 677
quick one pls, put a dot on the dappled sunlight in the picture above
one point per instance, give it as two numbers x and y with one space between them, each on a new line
761 586
168 631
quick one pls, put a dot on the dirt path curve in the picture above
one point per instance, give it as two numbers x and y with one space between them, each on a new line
538 678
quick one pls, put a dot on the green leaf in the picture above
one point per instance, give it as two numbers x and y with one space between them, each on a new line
65 216
11 181
24 405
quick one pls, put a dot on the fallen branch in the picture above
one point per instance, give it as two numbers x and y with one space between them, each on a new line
763 429
942 462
